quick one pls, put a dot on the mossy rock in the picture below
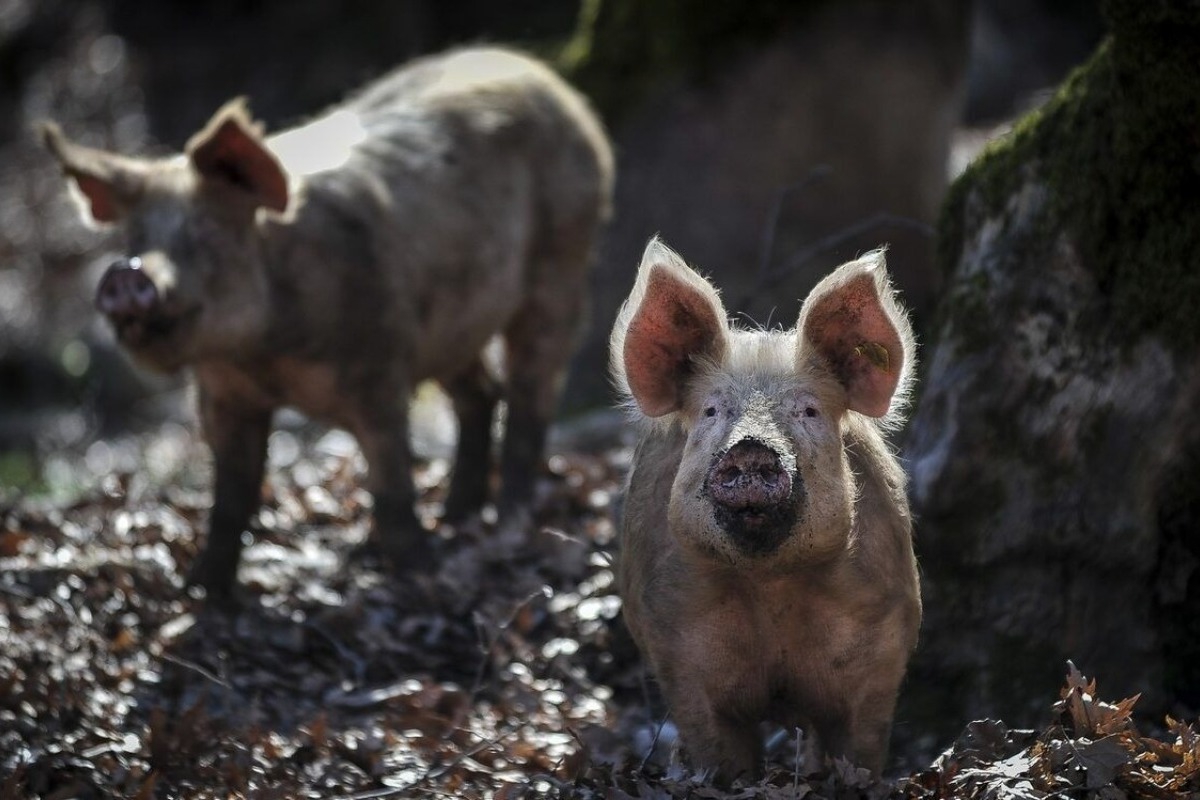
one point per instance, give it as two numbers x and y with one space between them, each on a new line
1066 374
1118 148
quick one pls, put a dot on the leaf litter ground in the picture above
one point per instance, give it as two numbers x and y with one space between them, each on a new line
504 675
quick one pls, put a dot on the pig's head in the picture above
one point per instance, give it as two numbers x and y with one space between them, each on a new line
191 283
764 474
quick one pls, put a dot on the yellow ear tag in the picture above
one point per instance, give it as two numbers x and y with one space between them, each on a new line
876 353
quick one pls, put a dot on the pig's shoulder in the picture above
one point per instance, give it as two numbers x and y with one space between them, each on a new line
872 457
882 534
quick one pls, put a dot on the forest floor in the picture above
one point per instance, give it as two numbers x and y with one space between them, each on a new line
504 675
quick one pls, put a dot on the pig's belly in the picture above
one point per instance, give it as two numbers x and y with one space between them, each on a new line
460 325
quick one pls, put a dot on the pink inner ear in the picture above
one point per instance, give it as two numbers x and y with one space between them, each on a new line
101 202
674 323
234 155
860 343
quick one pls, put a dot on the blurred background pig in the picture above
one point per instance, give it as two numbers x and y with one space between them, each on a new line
766 565
332 267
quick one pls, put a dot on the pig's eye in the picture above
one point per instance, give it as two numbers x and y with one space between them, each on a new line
809 411
711 411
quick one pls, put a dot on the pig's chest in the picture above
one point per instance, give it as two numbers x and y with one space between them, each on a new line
780 651
311 387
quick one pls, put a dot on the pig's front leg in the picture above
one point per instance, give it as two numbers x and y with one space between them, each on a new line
383 436
714 735
237 436
731 746
862 733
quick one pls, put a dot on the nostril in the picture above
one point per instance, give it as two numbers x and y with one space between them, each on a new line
125 290
142 289
728 476
770 476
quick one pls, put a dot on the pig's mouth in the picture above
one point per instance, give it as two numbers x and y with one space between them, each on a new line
756 531
156 337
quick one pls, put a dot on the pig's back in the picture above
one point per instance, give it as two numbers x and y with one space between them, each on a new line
453 170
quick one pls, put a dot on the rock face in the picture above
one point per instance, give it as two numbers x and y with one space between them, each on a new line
1055 449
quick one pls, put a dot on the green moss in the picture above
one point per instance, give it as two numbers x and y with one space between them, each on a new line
1118 148
969 307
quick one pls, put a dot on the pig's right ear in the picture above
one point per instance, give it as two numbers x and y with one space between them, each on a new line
230 149
672 321
108 183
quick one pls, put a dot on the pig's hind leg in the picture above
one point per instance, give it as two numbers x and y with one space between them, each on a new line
539 343
474 394
382 432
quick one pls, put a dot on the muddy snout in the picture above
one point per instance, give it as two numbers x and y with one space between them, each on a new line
753 494
749 476
126 292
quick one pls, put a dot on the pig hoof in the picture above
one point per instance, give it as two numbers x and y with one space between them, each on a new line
471 528
217 596
514 531
409 554
218 587
457 514
224 601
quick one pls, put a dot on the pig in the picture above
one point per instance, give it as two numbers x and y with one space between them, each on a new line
332 267
766 566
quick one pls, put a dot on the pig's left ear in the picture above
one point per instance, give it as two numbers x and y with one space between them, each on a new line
672 321
230 149
852 323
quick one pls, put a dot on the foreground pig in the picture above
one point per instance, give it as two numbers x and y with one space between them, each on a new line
333 266
766 563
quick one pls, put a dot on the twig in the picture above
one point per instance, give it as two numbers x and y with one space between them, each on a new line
212 676
653 742
796 766
500 629
17 591
344 652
